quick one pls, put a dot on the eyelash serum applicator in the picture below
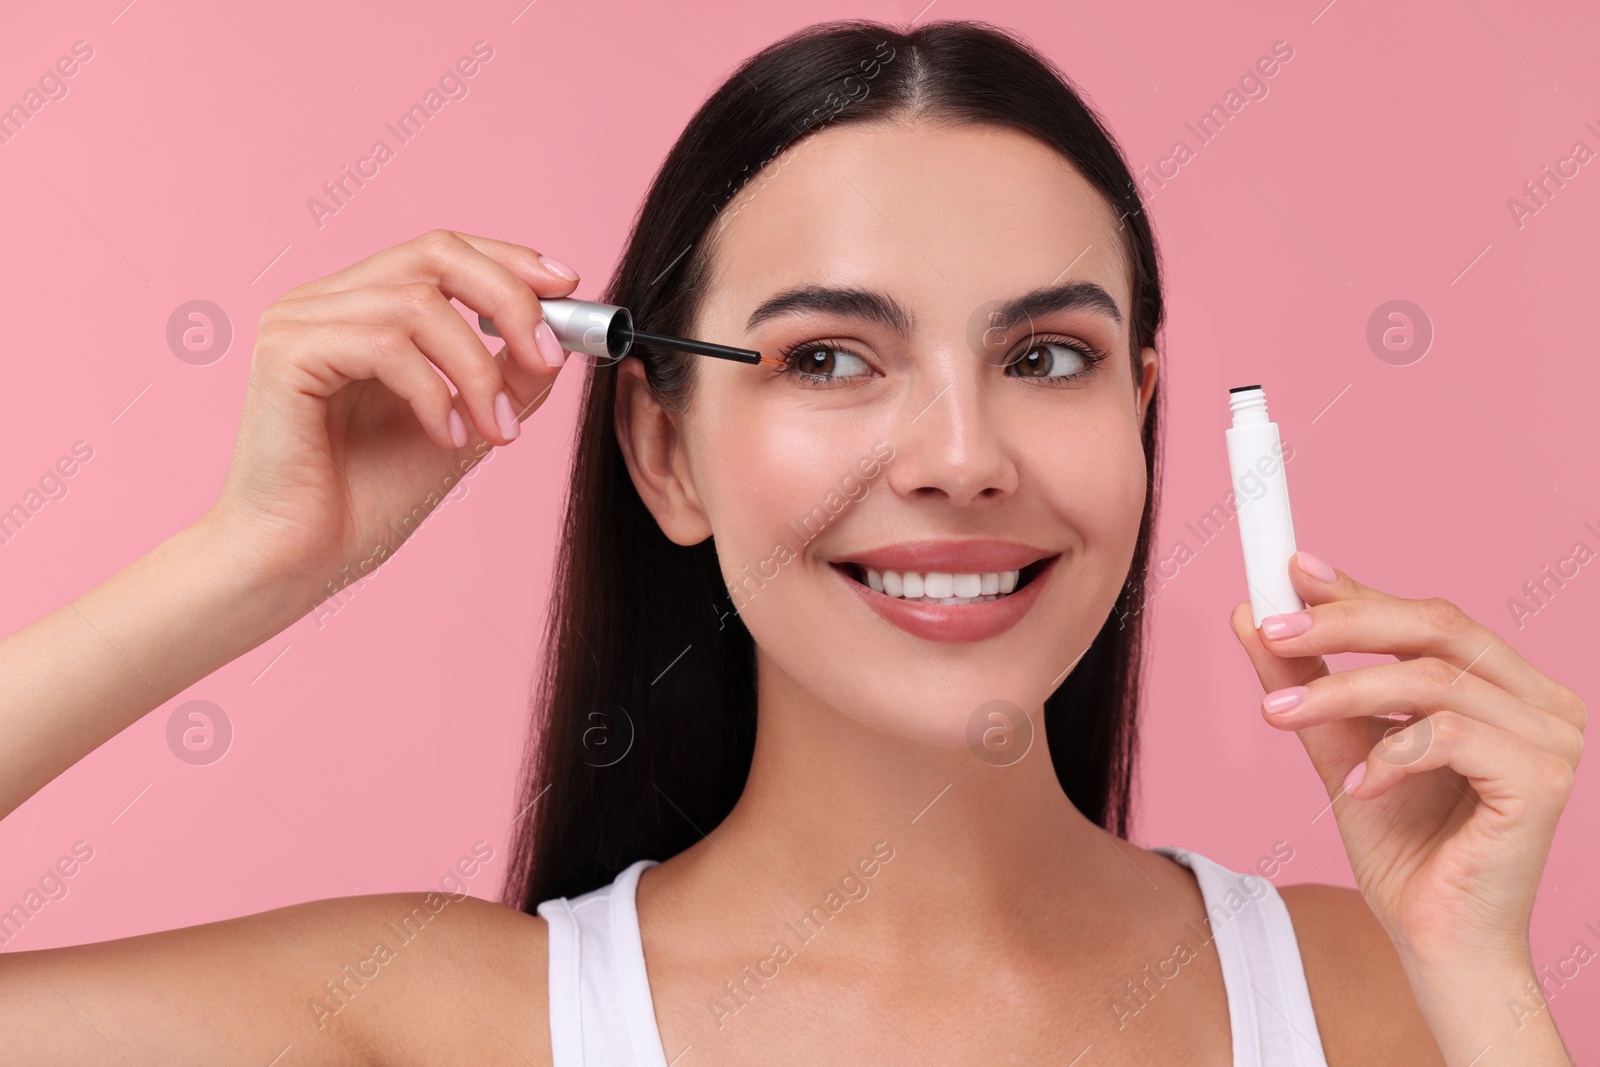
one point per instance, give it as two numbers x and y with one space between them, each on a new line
606 331
1266 529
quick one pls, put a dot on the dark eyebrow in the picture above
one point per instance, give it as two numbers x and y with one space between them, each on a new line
866 304
883 309
1069 297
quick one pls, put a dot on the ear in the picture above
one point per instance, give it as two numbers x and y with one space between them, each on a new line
652 447
1147 386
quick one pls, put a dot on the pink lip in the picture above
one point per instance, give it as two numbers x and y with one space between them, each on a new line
954 622
949 557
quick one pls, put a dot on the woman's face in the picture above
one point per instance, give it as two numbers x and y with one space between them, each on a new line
916 412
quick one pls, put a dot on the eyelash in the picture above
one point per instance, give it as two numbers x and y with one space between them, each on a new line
791 358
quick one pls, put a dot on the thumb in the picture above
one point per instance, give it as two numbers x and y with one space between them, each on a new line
1332 746
1275 672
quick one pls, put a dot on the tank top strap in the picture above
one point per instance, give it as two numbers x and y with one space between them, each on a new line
1269 1004
601 1012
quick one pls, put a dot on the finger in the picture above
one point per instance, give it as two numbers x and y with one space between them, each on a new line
317 359
399 263
1511 776
528 391
1324 743
497 279
1331 746
1384 694
1346 616
547 353
438 331
1276 670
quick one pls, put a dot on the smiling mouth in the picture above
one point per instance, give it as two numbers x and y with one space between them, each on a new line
943 588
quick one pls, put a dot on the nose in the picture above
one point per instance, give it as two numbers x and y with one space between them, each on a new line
949 438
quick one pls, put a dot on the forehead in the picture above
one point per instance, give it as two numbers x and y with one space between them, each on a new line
946 217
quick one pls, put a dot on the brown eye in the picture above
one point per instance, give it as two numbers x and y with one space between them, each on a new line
820 362
1052 359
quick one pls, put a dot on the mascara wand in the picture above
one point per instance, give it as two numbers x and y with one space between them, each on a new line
703 348
606 330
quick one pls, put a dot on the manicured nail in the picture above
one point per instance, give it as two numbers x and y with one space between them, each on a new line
458 429
506 416
1281 700
1314 566
559 267
1280 626
549 348
1353 780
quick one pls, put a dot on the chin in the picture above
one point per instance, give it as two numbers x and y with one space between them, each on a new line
901 695
940 723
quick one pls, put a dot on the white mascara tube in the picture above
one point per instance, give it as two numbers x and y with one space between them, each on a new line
1261 498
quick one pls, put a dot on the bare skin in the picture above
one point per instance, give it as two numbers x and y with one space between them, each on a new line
1005 922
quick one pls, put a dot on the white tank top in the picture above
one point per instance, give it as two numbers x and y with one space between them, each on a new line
602 1015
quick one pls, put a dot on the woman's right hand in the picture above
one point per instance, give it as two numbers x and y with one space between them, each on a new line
348 430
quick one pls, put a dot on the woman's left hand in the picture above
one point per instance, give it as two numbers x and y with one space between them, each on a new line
1448 811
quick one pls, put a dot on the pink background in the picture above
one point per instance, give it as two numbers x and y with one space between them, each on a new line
370 753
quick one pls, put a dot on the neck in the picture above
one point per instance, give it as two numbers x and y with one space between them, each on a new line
971 843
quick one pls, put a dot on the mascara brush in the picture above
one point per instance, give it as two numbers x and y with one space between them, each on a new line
606 331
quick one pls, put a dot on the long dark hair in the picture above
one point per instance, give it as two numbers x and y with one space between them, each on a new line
645 717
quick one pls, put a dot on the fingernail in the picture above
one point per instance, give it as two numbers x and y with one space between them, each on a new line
1281 700
1353 779
559 267
458 429
1277 626
1314 566
506 416
549 348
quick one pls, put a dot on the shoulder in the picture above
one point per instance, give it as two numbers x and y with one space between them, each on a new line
394 978
482 984
1366 1012
421 977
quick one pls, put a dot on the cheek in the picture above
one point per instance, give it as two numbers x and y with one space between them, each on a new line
1091 478
1089 463
1115 485
779 483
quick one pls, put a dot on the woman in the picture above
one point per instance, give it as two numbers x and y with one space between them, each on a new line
768 763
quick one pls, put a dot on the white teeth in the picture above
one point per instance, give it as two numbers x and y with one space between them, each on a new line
942 586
